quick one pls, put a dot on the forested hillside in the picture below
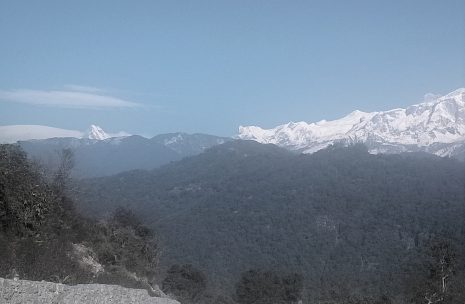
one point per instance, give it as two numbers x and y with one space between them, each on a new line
42 237
355 227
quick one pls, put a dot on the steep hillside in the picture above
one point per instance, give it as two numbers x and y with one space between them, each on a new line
42 237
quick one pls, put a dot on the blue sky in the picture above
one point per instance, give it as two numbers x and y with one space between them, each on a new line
150 67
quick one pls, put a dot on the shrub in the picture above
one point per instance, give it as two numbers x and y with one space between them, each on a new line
265 287
185 282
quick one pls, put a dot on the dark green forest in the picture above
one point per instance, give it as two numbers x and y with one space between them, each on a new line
355 227
244 223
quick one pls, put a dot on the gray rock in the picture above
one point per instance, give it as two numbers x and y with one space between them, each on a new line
32 292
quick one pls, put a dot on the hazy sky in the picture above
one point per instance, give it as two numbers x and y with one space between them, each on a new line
150 67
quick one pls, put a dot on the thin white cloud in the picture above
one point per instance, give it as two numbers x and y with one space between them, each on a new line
81 88
119 134
430 97
66 99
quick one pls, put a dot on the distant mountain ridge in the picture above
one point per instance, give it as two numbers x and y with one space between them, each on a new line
99 155
436 126
189 144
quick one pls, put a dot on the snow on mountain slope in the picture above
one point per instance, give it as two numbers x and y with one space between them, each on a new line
95 132
189 144
14 133
437 126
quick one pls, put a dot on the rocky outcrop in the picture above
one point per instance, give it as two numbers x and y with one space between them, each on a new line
25 292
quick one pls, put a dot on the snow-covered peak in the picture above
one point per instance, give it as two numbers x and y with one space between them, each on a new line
95 132
459 94
440 120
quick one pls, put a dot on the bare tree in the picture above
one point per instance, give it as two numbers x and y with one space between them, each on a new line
440 267
63 172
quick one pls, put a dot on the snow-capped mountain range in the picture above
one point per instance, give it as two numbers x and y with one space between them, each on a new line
436 126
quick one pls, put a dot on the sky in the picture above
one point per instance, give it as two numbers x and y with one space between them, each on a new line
152 67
